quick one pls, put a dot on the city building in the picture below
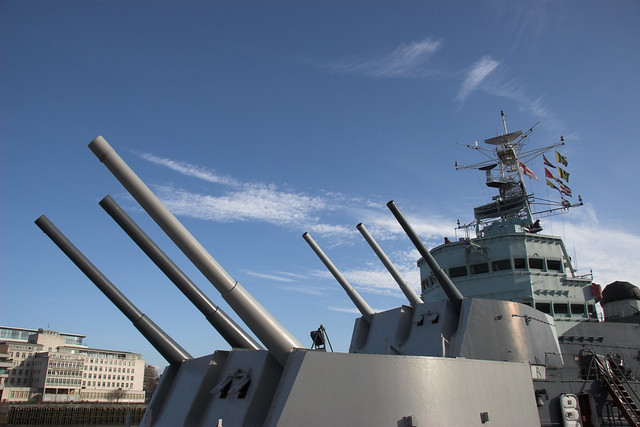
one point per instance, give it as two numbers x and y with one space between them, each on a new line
39 365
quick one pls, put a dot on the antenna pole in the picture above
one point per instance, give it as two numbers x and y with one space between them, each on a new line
504 122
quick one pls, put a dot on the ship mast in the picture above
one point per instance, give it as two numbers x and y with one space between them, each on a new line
511 208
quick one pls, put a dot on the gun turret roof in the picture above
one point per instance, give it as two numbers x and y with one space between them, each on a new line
618 291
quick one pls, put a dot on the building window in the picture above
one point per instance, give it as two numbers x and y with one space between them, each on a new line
520 263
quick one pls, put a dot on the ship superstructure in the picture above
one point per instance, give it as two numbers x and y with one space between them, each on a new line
511 258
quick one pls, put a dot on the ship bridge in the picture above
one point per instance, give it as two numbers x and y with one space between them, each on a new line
532 269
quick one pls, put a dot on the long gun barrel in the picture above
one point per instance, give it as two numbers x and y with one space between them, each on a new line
411 295
167 347
269 331
361 304
453 294
230 331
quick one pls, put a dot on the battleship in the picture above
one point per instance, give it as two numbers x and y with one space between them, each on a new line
504 331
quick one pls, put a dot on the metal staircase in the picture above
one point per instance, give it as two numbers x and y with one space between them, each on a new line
619 388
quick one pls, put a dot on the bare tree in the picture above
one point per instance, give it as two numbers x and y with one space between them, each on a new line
116 394
151 379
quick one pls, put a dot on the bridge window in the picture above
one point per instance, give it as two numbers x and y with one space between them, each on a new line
577 308
500 265
560 308
480 268
544 307
520 263
458 271
536 263
554 265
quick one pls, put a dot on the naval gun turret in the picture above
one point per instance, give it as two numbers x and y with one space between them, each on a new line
459 327
404 383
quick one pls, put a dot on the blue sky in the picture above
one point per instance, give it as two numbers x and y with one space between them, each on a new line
258 121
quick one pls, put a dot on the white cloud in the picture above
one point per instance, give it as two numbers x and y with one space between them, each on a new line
276 277
309 290
250 203
377 280
330 230
611 253
489 76
352 310
242 201
407 60
292 275
476 75
190 170
412 60
386 227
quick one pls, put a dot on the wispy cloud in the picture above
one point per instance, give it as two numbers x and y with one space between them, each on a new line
611 253
407 60
413 60
291 275
250 203
490 76
376 280
351 310
476 75
260 202
309 290
190 170
386 227
275 277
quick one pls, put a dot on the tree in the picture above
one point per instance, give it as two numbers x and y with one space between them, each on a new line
116 394
151 379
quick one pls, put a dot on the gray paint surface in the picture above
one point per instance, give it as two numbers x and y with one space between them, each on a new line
321 389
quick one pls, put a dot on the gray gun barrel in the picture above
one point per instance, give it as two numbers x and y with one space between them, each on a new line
230 330
453 294
269 331
361 304
163 343
411 295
